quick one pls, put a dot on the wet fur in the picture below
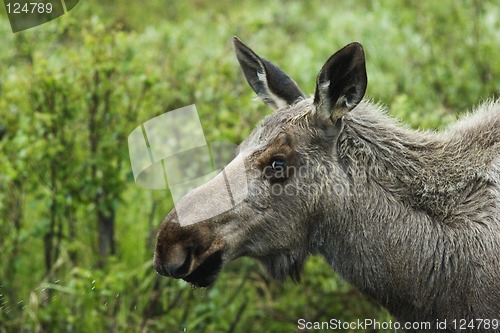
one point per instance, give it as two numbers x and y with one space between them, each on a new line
419 230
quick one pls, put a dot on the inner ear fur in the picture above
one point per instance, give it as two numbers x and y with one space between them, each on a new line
341 83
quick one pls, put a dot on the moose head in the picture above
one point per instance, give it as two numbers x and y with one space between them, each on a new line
291 169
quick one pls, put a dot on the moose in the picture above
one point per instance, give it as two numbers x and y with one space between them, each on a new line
410 218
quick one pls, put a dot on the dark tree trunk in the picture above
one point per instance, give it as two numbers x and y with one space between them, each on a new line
106 231
71 233
13 212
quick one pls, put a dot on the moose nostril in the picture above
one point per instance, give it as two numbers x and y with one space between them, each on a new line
177 265
173 270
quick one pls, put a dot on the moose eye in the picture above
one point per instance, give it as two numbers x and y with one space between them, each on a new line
278 164
276 170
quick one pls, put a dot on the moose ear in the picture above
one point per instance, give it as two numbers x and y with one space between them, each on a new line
341 83
272 86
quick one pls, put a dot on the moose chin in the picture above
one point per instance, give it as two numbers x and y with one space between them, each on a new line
410 218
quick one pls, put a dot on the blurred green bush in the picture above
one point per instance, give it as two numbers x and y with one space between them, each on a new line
71 91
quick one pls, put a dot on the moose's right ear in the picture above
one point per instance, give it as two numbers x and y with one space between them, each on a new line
341 83
272 86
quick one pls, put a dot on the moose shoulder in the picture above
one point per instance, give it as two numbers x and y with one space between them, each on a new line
411 219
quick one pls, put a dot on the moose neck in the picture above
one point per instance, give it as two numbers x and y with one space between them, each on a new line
383 236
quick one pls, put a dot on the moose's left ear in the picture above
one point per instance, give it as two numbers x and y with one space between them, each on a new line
270 83
341 83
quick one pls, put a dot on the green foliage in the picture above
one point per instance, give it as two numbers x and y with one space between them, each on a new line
73 89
